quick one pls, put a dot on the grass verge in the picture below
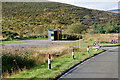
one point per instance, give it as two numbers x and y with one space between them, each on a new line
59 65
11 42
26 38
14 41
90 43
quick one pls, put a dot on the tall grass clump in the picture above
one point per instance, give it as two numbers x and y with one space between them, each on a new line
16 60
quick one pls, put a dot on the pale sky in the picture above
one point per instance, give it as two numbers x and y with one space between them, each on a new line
92 4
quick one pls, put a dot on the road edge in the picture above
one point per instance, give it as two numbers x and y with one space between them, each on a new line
64 72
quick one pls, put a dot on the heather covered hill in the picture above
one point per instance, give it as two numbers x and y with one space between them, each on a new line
23 19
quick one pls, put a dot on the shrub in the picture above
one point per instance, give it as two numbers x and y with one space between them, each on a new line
90 40
70 36
76 28
15 62
107 28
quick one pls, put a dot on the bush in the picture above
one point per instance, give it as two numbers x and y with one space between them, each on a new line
76 28
70 37
90 40
107 28
14 62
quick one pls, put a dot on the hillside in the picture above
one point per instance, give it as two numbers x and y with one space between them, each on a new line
115 10
32 18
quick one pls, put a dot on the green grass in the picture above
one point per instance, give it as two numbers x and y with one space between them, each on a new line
109 44
90 43
26 38
14 41
59 65
11 42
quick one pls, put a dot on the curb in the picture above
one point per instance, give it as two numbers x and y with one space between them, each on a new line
58 77
111 46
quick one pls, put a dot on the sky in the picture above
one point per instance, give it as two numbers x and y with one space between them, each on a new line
93 4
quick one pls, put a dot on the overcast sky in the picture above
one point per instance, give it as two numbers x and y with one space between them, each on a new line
93 4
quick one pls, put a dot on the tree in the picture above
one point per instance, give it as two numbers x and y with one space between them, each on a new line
107 31
76 28
100 29
94 26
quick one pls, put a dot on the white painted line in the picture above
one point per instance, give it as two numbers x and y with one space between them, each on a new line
80 64
74 68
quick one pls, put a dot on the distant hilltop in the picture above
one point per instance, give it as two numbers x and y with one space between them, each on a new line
115 10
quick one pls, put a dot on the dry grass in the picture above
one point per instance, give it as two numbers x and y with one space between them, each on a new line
56 50
102 37
16 60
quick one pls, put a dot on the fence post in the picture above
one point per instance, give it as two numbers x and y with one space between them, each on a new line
88 49
49 61
72 53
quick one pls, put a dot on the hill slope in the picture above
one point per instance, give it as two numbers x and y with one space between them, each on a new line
32 18
115 10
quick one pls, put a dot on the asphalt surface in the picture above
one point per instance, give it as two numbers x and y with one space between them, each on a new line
104 65
40 43
31 43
